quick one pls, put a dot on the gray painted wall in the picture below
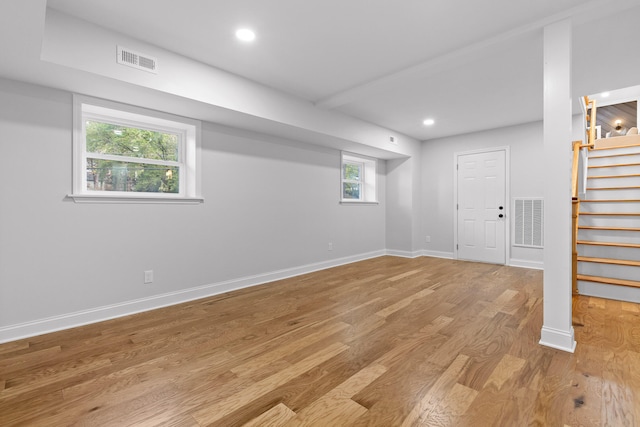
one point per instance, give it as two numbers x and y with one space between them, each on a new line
270 206
525 142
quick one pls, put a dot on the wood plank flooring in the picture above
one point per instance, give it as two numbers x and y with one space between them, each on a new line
384 342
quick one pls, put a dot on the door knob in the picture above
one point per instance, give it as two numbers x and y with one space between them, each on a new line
500 207
500 216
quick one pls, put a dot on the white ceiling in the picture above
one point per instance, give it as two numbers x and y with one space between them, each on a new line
313 48
469 64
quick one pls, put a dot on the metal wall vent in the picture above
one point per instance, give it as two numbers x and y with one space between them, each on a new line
137 60
528 222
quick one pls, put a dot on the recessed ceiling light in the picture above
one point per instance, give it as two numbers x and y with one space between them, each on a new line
428 122
605 94
245 34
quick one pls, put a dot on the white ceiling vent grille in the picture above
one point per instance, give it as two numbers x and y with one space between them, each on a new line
137 60
528 221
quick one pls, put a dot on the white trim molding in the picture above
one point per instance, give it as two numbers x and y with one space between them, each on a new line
126 308
186 163
357 202
87 198
523 263
99 314
437 254
403 254
367 181
560 340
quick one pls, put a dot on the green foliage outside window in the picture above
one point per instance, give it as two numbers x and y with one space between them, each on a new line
350 191
351 181
352 171
116 140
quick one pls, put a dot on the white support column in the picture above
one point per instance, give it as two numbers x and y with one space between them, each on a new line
557 331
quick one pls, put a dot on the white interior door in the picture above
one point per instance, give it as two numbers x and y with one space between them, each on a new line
481 208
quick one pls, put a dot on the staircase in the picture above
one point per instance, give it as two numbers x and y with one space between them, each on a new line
609 225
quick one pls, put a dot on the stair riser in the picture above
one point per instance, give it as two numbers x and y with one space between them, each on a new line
614 182
611 252
622 194
601 290
610 236
625 207
600 161
610 221
614 170
625 272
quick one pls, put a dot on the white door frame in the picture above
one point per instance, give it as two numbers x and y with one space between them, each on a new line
507 202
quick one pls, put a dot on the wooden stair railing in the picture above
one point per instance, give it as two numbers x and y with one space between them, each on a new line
590 112
590 109
575 212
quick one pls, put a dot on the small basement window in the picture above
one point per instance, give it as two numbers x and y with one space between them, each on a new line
358 179
124 153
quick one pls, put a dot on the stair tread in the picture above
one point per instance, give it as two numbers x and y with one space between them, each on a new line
609 281
629 175
613 147
613 165
616 244
593 227
632 187
610 200
609 261
611 213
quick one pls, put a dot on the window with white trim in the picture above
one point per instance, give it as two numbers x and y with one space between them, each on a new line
126 153
358 179
352 174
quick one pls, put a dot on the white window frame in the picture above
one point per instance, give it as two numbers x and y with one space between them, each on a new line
188 131
368 178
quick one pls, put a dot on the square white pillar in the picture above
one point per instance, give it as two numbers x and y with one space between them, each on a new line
557 329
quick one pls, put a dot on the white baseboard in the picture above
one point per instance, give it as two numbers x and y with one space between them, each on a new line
403 254
513 262
99 314
438 254
537 265
560 340
422 252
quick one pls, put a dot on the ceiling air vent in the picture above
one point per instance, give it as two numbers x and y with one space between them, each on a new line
137 60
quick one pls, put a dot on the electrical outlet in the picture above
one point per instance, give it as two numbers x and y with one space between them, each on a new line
330 246
428 239
148 276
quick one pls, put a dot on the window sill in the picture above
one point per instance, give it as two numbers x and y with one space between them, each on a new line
358 202
90 198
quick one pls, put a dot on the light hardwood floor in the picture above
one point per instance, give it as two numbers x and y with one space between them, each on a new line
383 342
